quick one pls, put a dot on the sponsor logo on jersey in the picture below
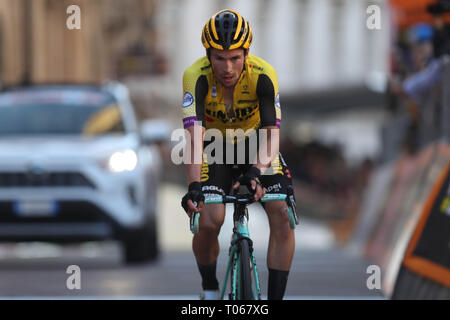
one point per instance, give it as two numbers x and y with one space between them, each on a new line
205 170
247 101
214 92
275 188
277 101
212 188
188 100
276 165
256 67
288 173
241 114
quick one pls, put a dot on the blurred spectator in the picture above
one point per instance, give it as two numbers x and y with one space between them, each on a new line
419 85
441 39
326 186
418 62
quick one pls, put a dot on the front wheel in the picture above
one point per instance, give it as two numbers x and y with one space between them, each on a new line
245 282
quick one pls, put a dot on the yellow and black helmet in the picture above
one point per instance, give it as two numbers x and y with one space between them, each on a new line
227 30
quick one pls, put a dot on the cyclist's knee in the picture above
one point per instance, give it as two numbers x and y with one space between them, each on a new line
278 217
210 229
212 218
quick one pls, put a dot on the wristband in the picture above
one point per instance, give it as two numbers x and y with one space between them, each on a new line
197 186
253 172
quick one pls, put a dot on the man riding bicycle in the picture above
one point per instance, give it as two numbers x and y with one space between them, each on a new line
230 89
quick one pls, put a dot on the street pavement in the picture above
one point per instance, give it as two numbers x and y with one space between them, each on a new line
39 270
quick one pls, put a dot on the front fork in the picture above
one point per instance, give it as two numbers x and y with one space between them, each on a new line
240 231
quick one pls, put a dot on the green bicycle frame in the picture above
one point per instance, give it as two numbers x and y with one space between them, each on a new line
240 231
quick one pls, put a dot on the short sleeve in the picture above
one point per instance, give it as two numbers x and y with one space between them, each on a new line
269 99
195 88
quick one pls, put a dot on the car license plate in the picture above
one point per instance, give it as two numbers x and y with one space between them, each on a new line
36 208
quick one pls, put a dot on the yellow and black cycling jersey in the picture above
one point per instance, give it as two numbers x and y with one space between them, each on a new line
255 99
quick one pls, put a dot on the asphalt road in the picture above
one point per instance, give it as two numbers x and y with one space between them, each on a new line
174 276
39 270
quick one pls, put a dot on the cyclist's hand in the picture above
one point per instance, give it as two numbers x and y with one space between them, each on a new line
260 191
251 179
194 194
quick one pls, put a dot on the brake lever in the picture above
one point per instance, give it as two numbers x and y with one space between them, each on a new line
194 220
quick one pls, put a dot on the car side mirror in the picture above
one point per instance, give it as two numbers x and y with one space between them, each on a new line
155 131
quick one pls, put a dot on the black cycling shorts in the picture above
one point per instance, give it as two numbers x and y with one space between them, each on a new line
217 178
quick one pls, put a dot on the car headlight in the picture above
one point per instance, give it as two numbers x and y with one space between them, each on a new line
122 161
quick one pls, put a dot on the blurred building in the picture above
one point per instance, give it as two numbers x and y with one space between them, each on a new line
327 61
116 38
313 44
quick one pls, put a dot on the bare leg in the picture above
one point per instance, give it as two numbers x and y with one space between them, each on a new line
205 243
282 238
281 249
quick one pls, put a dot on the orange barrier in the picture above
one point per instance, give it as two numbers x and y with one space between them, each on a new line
406 13
437 204
408 173
414 178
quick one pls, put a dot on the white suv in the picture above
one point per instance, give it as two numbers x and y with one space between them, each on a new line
74 166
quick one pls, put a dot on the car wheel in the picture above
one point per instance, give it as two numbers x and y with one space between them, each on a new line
141 245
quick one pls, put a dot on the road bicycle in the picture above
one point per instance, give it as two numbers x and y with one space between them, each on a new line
244 280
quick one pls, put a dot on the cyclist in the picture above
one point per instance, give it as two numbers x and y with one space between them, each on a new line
232 89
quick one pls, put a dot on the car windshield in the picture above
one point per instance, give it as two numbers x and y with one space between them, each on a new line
57 111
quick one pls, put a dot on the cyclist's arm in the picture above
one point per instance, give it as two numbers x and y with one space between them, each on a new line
195 88
270 113
194 143
268 148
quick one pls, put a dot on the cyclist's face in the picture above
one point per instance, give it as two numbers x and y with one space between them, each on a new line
227 65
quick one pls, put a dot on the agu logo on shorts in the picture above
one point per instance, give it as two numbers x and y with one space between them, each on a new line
187 100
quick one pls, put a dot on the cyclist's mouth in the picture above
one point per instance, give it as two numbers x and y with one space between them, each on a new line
228 79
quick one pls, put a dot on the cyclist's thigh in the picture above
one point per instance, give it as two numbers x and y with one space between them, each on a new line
212 217
277 179
215 178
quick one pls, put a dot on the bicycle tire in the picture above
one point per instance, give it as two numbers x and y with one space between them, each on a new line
246 275
235 277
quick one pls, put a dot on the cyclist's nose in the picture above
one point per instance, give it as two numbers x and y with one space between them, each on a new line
228 66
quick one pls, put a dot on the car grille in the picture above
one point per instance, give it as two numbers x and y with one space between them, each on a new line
68 211
45 179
